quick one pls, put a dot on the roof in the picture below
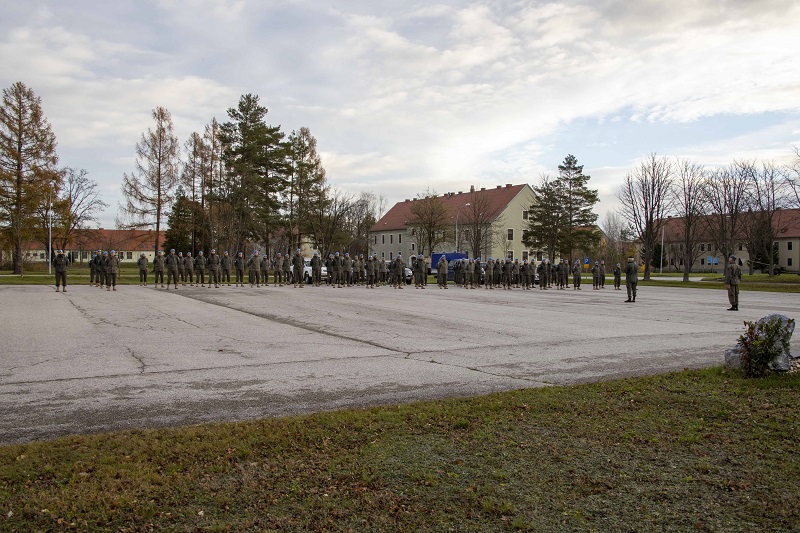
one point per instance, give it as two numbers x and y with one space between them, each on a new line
787 224
398 217
129 240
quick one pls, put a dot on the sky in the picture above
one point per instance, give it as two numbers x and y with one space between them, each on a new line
408 96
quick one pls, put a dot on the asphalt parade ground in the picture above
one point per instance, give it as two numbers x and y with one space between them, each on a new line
91 360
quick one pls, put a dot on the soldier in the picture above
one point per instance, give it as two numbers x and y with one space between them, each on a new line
181 269
225 263
112 270
171 262
200 268
333 270
238 265
489 274
733 277
264 266
96 260
348 269
316 270
188 268
61 266
576 275
252 270
383 272
298 267
400 270
441 272
286 266
631 279
277 269
213 269
158 268
371 270
524 269
617 278
602 274
92 271
142 264
101 268
596 276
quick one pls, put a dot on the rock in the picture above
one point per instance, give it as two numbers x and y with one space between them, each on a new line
783 361
733 357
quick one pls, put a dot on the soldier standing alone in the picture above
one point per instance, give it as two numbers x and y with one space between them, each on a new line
631 279
733 277
61 265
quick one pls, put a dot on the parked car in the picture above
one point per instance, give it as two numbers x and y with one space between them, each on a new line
409 274
307 272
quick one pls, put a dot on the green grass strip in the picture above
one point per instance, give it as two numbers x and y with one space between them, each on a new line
696 450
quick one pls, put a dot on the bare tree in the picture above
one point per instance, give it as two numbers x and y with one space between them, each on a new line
78 204
327 220
429 221
767 196
616 238
726 193
646 200
480 224
690 207
148 190
792 178
28 174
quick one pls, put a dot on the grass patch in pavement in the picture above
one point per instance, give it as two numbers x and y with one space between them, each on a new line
699 450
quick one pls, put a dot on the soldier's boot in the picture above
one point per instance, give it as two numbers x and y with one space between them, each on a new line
162 286
109 288
65 290
58 288
115 288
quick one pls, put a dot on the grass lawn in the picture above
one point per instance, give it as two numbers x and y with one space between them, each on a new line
696 450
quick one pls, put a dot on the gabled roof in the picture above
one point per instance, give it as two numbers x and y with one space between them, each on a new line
399 216
129 240
786 221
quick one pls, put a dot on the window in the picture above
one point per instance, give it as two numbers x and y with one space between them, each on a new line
702 260
129 255
383 255
413 246
391 239
383 239
374 239
702 248
788 261
789 245
741 247
85 255
525 255
681 262
510 234
390 256
399 238
524 215
41 255
510 254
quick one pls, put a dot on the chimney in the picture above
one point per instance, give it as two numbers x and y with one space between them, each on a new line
499 186
406 200
459 192
483 188
471 188
508 185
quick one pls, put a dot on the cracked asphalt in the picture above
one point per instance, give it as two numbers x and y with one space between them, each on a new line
92 361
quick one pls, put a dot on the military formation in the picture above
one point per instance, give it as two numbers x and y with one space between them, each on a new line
344 270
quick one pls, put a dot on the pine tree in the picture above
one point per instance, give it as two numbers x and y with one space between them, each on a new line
577 221
544 217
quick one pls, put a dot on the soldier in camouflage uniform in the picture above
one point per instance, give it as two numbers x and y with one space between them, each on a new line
158 268
142 264
399 269
617 278
298 268
61 266
602 274
264 267
733 278
596 276
631 279
213 268
188 268
171 263
253 266
181 269
239 265
200 268
576 276
225 263
92 271
112 270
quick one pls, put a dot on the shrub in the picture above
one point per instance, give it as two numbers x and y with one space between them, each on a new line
761 343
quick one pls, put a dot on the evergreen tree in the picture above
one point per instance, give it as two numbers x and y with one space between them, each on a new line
28 175
544 217
577 222
255 158
306 186
186 225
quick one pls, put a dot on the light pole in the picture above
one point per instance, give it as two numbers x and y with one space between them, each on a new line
661 269
50 237
458 213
